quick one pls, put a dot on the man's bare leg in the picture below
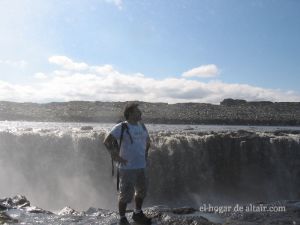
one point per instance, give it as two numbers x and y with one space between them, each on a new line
122 208
138 203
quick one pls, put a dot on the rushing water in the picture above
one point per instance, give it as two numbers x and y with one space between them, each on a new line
52 126
59 164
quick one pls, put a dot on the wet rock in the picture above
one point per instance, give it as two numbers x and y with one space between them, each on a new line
28 129
244 133
177 216
34 209
18 201
45 130
2 207
189 128
168 219
97 212
5 219
86 128
184 210
69 211
156 211
161 215
282 132
6 203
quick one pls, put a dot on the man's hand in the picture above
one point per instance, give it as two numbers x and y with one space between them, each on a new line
118 158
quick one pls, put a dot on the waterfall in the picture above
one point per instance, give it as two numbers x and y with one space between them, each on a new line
55 169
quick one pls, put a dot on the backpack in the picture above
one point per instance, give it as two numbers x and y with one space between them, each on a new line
124 127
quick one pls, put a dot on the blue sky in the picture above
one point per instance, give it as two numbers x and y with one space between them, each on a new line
158 50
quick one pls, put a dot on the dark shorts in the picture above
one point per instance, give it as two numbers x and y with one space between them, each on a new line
132 182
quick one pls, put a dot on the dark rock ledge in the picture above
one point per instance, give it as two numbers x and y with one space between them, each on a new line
229 112
17 210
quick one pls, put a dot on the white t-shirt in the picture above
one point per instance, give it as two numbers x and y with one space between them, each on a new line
134 152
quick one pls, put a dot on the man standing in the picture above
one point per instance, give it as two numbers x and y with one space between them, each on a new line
131 155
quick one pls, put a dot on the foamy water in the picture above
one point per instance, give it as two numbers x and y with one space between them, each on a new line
15 126
59 164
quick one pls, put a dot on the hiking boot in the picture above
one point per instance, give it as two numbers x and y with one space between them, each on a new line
141 218
123 221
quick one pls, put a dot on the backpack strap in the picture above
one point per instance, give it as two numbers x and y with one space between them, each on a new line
144 127
123 127
127 131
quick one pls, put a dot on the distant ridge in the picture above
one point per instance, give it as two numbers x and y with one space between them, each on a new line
230 112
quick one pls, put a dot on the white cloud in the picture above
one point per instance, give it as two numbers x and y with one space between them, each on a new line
210 70
102 70
40 76
14 63
105 83
14 92
117 3
67 63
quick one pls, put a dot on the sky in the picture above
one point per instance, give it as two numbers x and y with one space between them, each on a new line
156 51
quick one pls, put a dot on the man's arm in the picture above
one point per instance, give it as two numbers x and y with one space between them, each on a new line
112 145
148 144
